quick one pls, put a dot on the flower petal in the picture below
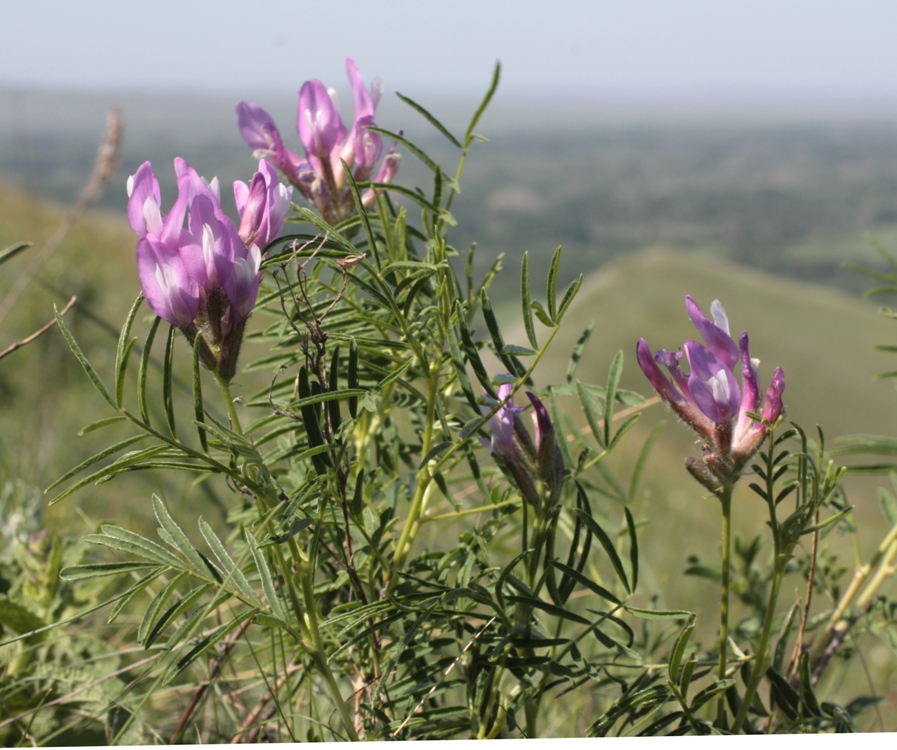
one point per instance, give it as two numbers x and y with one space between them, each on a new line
717 339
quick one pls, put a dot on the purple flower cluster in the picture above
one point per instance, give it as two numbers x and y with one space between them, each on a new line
531 462
321 178
709 398
205 276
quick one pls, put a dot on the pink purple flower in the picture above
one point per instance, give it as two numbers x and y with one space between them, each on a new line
204 276
710 399
327 143
534 463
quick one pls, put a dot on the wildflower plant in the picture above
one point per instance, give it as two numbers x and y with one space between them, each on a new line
419 542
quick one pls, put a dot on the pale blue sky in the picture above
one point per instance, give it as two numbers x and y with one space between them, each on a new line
641 49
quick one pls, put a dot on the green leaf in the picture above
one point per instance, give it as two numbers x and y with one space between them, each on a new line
679 649
13 250
568 297
17 618
144 368
494 331
433 452
362 214
267 580
167 376
613 380
525 302
177 537
101 423
430 118
551 609
558 424
99 570
584 580
707 694
125 344
543 316
79 355
111 450
352 376
551 287
409 146
157 602
125 540
588 404
231 569
784 633
460 369
633 547
659 614
133 593
213 638
493 86
174 611
608 545
806 687
470 350
578 349
782 694
198 410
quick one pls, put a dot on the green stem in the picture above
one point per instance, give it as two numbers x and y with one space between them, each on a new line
725 497
224 387
762 657
421 494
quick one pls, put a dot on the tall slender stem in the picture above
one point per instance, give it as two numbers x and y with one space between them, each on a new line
725 497
761 659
